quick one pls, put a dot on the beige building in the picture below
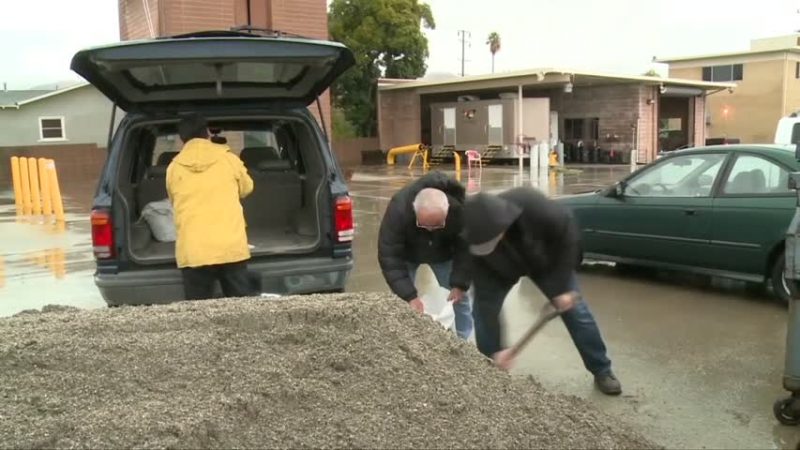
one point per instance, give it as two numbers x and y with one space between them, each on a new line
768 87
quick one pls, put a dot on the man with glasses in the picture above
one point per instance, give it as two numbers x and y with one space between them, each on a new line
422 225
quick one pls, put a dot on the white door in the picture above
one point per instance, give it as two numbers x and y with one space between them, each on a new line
449 126
496 124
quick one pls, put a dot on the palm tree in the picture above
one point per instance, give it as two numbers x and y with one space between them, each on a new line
493 41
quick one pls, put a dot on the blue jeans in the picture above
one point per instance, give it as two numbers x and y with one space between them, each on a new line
489 296
463 309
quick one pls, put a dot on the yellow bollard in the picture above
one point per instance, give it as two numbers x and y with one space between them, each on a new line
553 159
55 191
36 200
26 185
44 181
457 162
17 183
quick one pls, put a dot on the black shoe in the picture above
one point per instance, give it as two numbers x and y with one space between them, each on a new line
608 384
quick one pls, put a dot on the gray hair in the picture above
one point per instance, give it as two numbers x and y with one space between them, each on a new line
431 199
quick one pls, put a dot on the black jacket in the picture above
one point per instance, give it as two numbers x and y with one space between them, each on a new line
541 242
400 241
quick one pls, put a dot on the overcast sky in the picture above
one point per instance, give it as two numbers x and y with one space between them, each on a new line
38 37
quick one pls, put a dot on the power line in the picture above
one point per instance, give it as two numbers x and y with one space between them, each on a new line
464 35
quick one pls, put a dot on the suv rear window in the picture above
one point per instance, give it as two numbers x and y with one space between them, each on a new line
164 76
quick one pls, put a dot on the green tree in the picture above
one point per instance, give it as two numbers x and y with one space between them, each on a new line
387 39
493 41
341 128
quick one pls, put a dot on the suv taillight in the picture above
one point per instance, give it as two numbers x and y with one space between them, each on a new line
102 234
343 219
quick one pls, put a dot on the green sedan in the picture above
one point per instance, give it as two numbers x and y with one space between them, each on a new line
721 211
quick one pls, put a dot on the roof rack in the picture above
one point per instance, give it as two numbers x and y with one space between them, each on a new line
265 31
240 31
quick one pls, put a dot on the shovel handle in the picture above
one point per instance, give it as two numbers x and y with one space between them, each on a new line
547 314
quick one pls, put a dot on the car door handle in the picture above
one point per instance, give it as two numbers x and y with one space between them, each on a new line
690 212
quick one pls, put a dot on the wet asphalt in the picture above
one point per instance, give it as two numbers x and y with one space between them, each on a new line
700 360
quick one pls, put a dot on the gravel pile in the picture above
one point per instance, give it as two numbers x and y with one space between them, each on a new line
349 370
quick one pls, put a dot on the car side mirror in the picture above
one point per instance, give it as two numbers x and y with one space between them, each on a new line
797 150
794 181
619 189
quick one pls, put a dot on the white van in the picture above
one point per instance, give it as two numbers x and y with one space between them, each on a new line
788 130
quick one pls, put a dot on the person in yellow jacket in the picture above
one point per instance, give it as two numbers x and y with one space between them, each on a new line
205 183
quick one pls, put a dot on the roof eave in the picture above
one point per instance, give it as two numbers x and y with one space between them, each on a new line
724 55
52 94
541 74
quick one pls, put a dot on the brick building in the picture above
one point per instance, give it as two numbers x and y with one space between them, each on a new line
612 113
141 19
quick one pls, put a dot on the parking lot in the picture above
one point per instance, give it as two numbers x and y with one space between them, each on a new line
700 360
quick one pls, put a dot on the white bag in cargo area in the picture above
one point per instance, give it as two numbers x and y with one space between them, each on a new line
160 217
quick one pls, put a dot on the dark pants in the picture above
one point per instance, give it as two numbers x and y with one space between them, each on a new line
489 296
234 278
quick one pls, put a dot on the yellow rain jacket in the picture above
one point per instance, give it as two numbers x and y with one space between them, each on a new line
205 182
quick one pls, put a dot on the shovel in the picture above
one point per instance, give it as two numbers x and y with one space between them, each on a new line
504 358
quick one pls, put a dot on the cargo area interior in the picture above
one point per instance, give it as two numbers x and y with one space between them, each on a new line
283 159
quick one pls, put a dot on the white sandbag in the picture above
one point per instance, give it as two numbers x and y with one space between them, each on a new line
440 310
160 217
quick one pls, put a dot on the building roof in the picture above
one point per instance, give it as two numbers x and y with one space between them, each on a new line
746 53
8 100
12 97
553 76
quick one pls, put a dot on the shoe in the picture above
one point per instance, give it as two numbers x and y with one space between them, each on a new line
608 384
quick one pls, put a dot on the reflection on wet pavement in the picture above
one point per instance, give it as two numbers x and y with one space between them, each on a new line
700 361
44 262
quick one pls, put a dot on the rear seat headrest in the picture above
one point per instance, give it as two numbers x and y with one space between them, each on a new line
252 156
165 158
156 172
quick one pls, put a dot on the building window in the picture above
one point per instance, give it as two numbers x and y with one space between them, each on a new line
730 72
51 129
797 70
573 129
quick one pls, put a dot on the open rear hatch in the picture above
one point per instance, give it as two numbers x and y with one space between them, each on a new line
212 67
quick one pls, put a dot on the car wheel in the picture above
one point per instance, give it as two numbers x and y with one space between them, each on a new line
783 289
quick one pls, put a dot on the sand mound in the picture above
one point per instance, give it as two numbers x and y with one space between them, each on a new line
349 370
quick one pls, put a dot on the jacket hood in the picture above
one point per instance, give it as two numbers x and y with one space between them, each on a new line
486 217
199 154
440 181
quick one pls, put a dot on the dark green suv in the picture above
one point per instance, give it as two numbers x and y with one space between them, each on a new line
254 89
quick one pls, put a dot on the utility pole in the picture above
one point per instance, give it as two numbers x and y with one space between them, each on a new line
464 35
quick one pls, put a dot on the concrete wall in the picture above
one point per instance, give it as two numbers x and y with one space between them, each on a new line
752 111
86 114
348 151
75 162
398 118
170 17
